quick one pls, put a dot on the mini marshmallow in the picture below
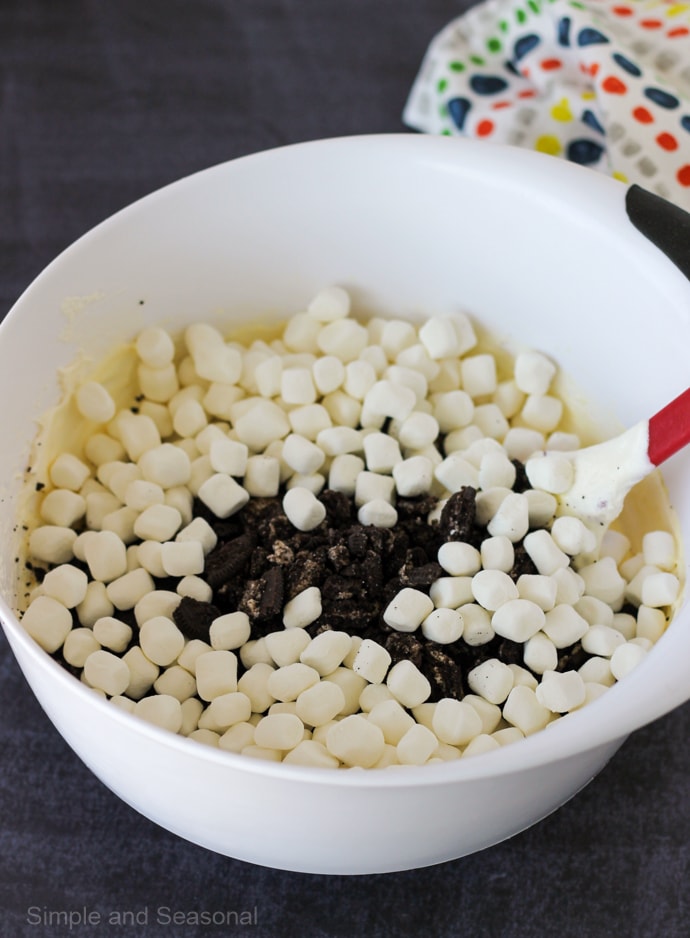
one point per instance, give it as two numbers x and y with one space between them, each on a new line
459 558
477 629
418 430
48 622
79 644
572 536
603 581
407 684
443 626
451 592
518 619
455 722
492 680
330 304
158 385
390 400
142 672
297 386
216 674
69 472
551 471
303 509
162 710
158 523
343 473
262 422
112 634
262 476
301 454
371 661
65 583
379 513
539 654
496 469
344 338
223 495
522 442
374 485
155 347
320 703
659 549
351 684
326 651
393 720
336 441
601 640
228 457
455 472
408 608
161 640
286 646
523 710
493 588
497 553
356 741
416 746
511 519
564 625
303 609
166 465
105 671
413 476
478 375
544 553
625 658
533 372
360 377
288 682
94 402
660 589
381 452
561 692
126 591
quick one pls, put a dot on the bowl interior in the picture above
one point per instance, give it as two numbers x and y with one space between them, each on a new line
538 251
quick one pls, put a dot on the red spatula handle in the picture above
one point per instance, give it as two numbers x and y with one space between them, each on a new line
669 430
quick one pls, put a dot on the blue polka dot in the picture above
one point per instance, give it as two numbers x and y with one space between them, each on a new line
662 98
626 64
588 36
487 84
524 45
685 122
583 151
563 31
590 118
459 109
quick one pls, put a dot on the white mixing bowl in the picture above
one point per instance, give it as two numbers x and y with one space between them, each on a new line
539 250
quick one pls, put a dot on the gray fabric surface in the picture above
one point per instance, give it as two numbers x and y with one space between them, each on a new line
100 103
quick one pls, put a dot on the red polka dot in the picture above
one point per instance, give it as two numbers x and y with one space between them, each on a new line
678 31
549 65
589 69
651 24
527 93
484 128
500 105
683 175
667 141
642 115
614 85
622 11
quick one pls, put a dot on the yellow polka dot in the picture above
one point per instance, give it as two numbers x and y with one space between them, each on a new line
677 8
547 143
588 95
561 111
620 176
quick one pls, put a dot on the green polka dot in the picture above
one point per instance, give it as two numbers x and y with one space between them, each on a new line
442 85
456 66
534 6
576 5
520 16
445 132
493 44
504 26
477 60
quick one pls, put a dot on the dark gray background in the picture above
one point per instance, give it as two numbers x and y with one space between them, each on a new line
100 103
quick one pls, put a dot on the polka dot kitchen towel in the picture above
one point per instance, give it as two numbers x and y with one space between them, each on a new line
604 83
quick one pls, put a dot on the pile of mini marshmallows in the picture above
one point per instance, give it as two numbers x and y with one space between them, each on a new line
373 410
